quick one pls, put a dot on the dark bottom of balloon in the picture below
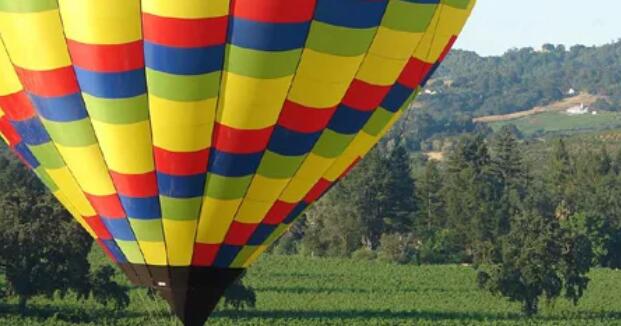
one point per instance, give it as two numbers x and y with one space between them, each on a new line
192 292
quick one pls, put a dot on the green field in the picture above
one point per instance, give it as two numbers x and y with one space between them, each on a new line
307 291
561 123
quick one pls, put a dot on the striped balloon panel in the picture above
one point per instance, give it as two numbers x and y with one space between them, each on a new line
23 132
264 45
184 49
194 132
50 81
104 40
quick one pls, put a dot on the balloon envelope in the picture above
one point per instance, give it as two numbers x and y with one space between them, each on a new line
186 136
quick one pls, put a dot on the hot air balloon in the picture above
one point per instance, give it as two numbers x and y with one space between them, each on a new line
186 136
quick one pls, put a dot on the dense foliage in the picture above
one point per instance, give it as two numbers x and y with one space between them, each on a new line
43 251
538 259
523 78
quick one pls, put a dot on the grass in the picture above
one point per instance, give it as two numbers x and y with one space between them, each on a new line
312 291
562 123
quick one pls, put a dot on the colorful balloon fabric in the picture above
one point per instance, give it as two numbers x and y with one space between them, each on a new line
186 136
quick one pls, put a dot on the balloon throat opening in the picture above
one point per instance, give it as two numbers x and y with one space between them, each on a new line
192 292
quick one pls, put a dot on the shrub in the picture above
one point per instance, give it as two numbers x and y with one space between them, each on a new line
442 248
396 248
287 245
238 296
364 254
105 290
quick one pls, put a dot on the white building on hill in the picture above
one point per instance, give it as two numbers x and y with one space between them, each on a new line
578 109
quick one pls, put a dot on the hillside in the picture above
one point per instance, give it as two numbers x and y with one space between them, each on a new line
555 123
468 86
562 105
524 78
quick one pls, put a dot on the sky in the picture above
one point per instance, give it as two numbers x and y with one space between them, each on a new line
499 25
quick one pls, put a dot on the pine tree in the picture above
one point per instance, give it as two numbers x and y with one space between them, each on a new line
470 151
431 215
400 189
616 164
365 191
469 193
476 153
455 189
511 176
561 174
507 162
604 162
598 210
561 164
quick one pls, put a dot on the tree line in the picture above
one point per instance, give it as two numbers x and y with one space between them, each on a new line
530 229
487 204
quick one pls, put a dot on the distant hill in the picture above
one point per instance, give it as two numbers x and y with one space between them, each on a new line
524 78
468 86
558 106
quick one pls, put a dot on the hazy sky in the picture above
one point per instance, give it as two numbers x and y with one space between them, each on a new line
498 25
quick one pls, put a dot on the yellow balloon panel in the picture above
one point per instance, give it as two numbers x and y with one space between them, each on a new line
101 21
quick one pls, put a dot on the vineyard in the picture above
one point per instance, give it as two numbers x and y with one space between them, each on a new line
312 291
561 123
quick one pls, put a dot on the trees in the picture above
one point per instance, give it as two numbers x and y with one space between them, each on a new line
365 191
332 228
105 290
431 215
507 162
616 163
604 162
539 260
537 257
466 163
42 250
396 248
377 197
400 190
469 86
561 174
380 191
471 196
510 176
597 211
